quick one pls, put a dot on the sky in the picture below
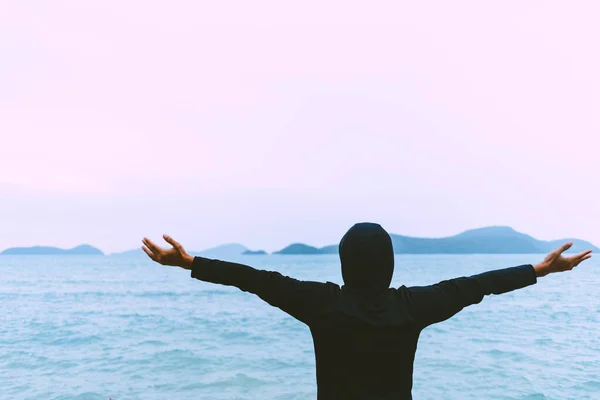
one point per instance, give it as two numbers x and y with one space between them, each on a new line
269 122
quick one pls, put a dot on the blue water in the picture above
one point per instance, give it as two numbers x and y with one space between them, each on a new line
100 327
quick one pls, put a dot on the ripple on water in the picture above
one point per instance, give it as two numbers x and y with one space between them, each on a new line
82 396
173 359
239 380
589 386
534 396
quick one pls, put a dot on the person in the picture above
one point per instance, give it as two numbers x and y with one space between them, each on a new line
364 333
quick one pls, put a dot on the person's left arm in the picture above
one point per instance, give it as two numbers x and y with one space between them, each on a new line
436 303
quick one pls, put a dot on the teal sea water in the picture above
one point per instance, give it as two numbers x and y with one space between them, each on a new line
102 327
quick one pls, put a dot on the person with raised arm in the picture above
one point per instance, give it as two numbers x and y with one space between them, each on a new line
365 333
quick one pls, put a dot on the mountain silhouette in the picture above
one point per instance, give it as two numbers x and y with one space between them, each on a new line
81 250
488 240
222 251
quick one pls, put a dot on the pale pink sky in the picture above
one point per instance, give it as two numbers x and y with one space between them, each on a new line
265 122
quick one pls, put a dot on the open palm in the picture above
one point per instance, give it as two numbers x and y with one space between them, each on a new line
556 262
175 256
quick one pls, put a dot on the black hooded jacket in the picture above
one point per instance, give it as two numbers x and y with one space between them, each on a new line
365 333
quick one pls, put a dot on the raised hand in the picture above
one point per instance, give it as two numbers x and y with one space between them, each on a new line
556 262
175 256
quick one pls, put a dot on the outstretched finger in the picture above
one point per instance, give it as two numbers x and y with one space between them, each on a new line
172 242
580 260
581 255
585 253
150 254
563 248
150 244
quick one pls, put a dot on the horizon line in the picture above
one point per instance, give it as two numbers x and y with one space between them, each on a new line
299 243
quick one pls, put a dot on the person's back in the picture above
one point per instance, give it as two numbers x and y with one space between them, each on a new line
365 333
364 336
364 348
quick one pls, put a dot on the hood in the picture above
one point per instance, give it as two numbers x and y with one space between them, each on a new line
367 258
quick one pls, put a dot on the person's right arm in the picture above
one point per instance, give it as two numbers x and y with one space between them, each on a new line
436 303
301 299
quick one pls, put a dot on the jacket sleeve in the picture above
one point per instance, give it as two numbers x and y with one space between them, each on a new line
300 299
436 303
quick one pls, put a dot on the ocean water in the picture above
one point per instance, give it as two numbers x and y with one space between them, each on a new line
104 327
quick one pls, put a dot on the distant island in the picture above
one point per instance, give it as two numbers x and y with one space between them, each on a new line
489 240
301 248
254 253
224 251
82 250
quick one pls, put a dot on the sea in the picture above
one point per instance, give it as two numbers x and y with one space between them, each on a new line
104 327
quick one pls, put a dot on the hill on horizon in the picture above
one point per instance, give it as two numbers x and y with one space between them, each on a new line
81 250
487 240
301 248
222 251
254 253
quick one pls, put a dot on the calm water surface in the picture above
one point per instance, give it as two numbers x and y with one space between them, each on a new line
100 327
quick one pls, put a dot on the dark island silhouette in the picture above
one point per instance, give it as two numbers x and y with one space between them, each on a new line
301 248
82 250
488 240
254 253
